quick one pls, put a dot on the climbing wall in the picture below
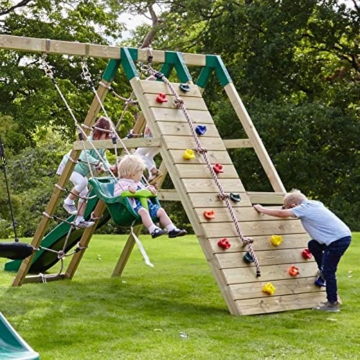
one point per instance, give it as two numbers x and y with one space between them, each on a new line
198 193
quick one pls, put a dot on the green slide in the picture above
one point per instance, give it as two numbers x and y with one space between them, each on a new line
12 345
55 240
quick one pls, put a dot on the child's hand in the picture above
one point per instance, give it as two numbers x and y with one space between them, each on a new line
258 208
113 169
132 189
152 189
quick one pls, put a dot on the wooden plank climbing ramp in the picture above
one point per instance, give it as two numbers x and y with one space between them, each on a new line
199 193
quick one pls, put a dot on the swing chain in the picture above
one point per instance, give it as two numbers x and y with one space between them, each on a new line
146 68
86 73
48 72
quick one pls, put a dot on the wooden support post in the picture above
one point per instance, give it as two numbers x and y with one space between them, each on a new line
84 242
124 257
254 138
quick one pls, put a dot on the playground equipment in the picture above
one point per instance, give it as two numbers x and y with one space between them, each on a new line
173 124
12 345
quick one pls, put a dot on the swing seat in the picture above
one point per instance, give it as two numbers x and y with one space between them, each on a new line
15 250
120 208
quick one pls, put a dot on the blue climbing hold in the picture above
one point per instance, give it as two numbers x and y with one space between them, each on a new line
201 129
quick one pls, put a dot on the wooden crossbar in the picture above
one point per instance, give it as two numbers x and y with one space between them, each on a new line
85 49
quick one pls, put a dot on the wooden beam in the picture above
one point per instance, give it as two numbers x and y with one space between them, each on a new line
168 195
48 46
237 143
126 143
43 278
266 198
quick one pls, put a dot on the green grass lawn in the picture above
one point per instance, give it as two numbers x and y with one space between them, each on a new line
172 311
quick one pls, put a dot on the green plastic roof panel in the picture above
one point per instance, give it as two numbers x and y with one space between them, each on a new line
128 56
175 59
214 63
111 69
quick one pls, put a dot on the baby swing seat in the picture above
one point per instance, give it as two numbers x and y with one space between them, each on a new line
120 208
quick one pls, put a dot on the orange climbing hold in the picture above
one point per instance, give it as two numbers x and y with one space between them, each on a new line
294 271
209 214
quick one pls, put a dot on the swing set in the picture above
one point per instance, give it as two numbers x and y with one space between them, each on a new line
233 236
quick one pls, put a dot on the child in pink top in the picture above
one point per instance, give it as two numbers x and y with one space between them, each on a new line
130 171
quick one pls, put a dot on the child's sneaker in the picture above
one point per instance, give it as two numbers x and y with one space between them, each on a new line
176 233
70 208
157 232
320 282
328 306
84 224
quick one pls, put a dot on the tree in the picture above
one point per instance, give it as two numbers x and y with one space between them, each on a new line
25 93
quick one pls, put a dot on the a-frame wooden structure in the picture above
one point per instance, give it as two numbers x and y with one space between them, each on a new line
194 184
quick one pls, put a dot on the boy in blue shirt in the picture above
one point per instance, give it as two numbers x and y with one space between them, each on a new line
330 239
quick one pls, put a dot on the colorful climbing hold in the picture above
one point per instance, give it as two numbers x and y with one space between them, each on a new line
161 98
269 288
306 254
184 87
218 168
276 240
209 214
235 197
294 271
224 243
200 130
248 258
189 154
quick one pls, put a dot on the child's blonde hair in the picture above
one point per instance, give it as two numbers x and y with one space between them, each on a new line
130 165
294 197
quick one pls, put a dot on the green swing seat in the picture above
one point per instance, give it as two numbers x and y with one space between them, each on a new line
120 208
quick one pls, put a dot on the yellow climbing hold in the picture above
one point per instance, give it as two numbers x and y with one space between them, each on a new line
189 154
269 288
276 240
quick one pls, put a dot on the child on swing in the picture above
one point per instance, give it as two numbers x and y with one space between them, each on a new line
87 159
130 170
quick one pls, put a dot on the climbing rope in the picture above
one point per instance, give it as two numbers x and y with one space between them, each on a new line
61 255
179 103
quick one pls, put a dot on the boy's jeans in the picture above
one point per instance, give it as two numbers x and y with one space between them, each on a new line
327 259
